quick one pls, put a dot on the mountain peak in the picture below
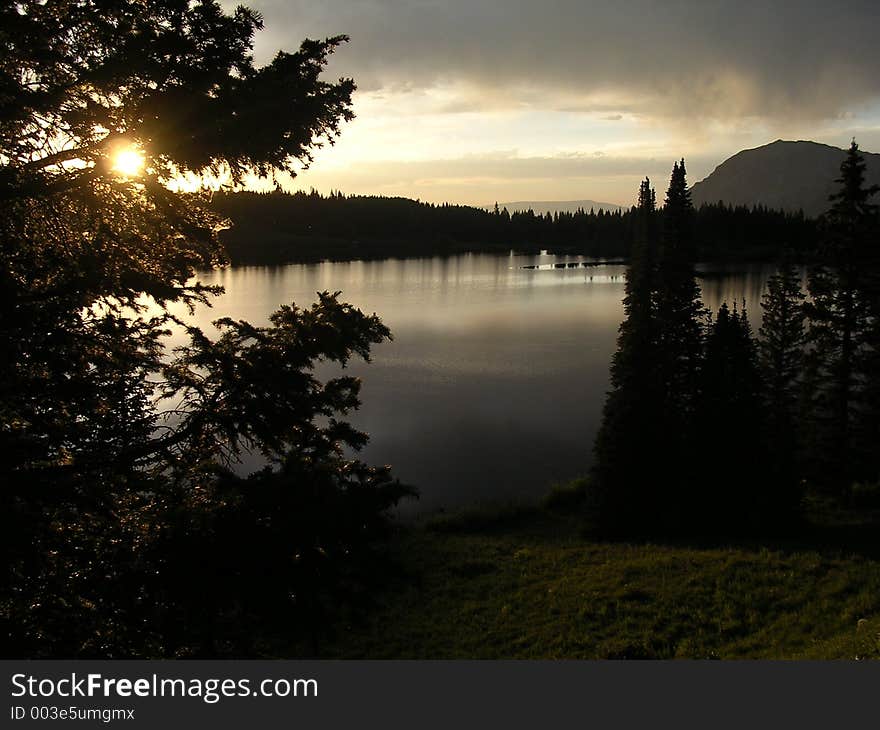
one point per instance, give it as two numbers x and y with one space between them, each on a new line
786 174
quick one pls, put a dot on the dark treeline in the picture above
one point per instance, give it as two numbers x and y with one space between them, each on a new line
709 427
280 227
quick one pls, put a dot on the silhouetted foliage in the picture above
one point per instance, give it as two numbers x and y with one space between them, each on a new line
645 467
679 342
737 490
781 355
630 441
697 428
279 227
842 358
124 531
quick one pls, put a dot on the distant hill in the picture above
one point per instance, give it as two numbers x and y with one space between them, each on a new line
782 175
556 206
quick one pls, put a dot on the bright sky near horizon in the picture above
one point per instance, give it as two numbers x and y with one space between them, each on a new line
473 101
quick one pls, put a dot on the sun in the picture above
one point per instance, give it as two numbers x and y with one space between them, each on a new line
128 161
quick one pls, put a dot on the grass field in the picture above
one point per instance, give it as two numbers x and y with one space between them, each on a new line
527 583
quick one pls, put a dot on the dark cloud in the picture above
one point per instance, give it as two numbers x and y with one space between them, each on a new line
723 60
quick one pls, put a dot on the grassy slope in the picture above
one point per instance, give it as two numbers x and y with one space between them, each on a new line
528 585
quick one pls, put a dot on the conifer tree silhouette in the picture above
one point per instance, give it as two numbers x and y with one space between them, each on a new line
625 444
644 469
781 357
843 334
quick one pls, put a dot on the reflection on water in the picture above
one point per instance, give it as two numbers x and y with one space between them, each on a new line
494 383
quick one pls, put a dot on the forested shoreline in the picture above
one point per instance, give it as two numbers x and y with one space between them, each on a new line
694 392
280 227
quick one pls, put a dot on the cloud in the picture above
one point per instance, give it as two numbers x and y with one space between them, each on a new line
705 60
507 165
503 175
504 165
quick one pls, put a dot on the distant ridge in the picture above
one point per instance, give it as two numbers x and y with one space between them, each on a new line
556 206
782 175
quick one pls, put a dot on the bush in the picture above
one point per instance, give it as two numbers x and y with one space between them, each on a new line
568 497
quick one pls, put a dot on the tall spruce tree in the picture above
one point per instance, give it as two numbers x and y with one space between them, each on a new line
781 357
679 344
730 412
626 441
855 217
644 462
678 305
842 358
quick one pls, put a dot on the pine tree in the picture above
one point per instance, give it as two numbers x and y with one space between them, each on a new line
782 339
842 358
855 217
626 440
781 357
644 468
730 412
679 338
678 305
118 524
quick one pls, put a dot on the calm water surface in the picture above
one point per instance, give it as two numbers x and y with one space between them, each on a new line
493 386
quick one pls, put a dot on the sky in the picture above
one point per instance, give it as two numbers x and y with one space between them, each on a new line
477 101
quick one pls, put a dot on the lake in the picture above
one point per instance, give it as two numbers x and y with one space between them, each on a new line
492 389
